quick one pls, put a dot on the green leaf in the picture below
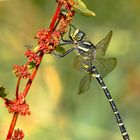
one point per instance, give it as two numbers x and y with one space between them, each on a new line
31 65
81 8
2 92
60 49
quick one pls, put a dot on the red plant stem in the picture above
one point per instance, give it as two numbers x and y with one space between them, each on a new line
41 55
17 87
28 85
55 16
12 126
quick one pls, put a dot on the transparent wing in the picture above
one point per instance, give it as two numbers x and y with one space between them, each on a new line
84 83
78 62
105 65
101 47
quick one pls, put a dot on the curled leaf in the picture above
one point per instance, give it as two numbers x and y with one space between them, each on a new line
81 8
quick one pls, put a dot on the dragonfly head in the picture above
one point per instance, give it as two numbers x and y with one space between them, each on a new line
77 35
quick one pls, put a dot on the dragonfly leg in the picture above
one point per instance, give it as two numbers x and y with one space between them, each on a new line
69 33
64 54
71 25
66 41
112 104
70 30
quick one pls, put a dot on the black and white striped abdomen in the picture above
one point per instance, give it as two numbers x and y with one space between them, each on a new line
112 103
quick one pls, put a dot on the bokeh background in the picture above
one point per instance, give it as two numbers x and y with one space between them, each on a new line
57 112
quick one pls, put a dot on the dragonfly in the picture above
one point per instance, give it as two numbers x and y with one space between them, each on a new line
91 59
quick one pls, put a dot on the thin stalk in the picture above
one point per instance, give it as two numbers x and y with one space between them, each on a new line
28 85
17 87
12 126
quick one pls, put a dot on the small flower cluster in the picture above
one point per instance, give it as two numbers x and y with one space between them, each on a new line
65 21
18 135
32 57
21 71
18 105
47 45
48 40
55 39
66 15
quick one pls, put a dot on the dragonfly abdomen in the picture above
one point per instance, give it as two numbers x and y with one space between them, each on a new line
112 103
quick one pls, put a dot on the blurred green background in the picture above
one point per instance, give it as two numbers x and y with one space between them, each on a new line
57 112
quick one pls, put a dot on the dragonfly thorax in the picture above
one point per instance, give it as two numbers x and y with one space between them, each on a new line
85 48
82 46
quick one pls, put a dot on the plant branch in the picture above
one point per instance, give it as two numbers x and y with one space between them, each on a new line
17 87
12 126
29 83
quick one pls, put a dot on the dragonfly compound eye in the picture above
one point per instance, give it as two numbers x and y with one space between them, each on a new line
78 35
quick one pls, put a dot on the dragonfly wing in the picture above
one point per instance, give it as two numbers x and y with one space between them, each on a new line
101 47
78 63
84 83
105 65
